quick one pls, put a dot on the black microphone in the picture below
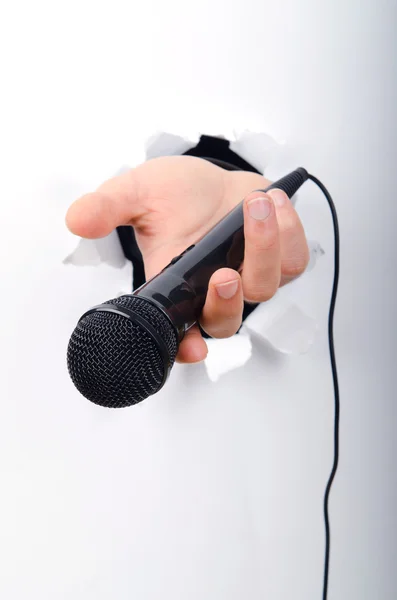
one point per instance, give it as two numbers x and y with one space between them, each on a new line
122 351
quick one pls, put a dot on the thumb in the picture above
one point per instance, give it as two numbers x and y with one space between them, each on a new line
116 202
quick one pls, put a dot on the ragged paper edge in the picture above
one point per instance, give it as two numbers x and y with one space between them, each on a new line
281 322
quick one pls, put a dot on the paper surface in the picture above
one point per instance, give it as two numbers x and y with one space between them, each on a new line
282 322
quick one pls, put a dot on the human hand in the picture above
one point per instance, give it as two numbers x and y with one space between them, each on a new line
171 202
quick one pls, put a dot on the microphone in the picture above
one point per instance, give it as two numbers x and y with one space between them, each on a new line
122 351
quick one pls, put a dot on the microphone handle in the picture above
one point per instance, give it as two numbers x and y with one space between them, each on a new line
181 287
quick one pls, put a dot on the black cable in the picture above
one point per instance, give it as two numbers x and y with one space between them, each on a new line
332 360
335 381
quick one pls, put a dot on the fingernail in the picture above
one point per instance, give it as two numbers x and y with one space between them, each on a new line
259 208
227 290
279 197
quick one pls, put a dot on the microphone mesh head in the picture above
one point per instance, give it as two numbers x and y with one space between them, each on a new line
114 361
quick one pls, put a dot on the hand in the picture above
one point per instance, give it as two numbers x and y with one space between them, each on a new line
173 201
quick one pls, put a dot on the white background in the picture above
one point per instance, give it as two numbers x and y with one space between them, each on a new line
205 490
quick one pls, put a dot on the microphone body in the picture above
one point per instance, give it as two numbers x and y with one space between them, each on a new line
180 288
123 350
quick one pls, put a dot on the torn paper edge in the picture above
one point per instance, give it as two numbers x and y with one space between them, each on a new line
281 322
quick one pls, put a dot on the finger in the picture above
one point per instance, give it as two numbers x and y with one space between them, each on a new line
192 348
223 309
293 244
262 260
114 203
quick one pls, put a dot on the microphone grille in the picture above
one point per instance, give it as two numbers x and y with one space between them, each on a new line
114 361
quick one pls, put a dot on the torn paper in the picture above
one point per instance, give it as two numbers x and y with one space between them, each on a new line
91 253
227 354
282 323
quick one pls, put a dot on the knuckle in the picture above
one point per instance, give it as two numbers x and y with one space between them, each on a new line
261 293
290 222
224 328
258 297
260 244
222 334
295 266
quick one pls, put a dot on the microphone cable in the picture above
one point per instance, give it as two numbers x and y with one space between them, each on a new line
248 308
336 426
